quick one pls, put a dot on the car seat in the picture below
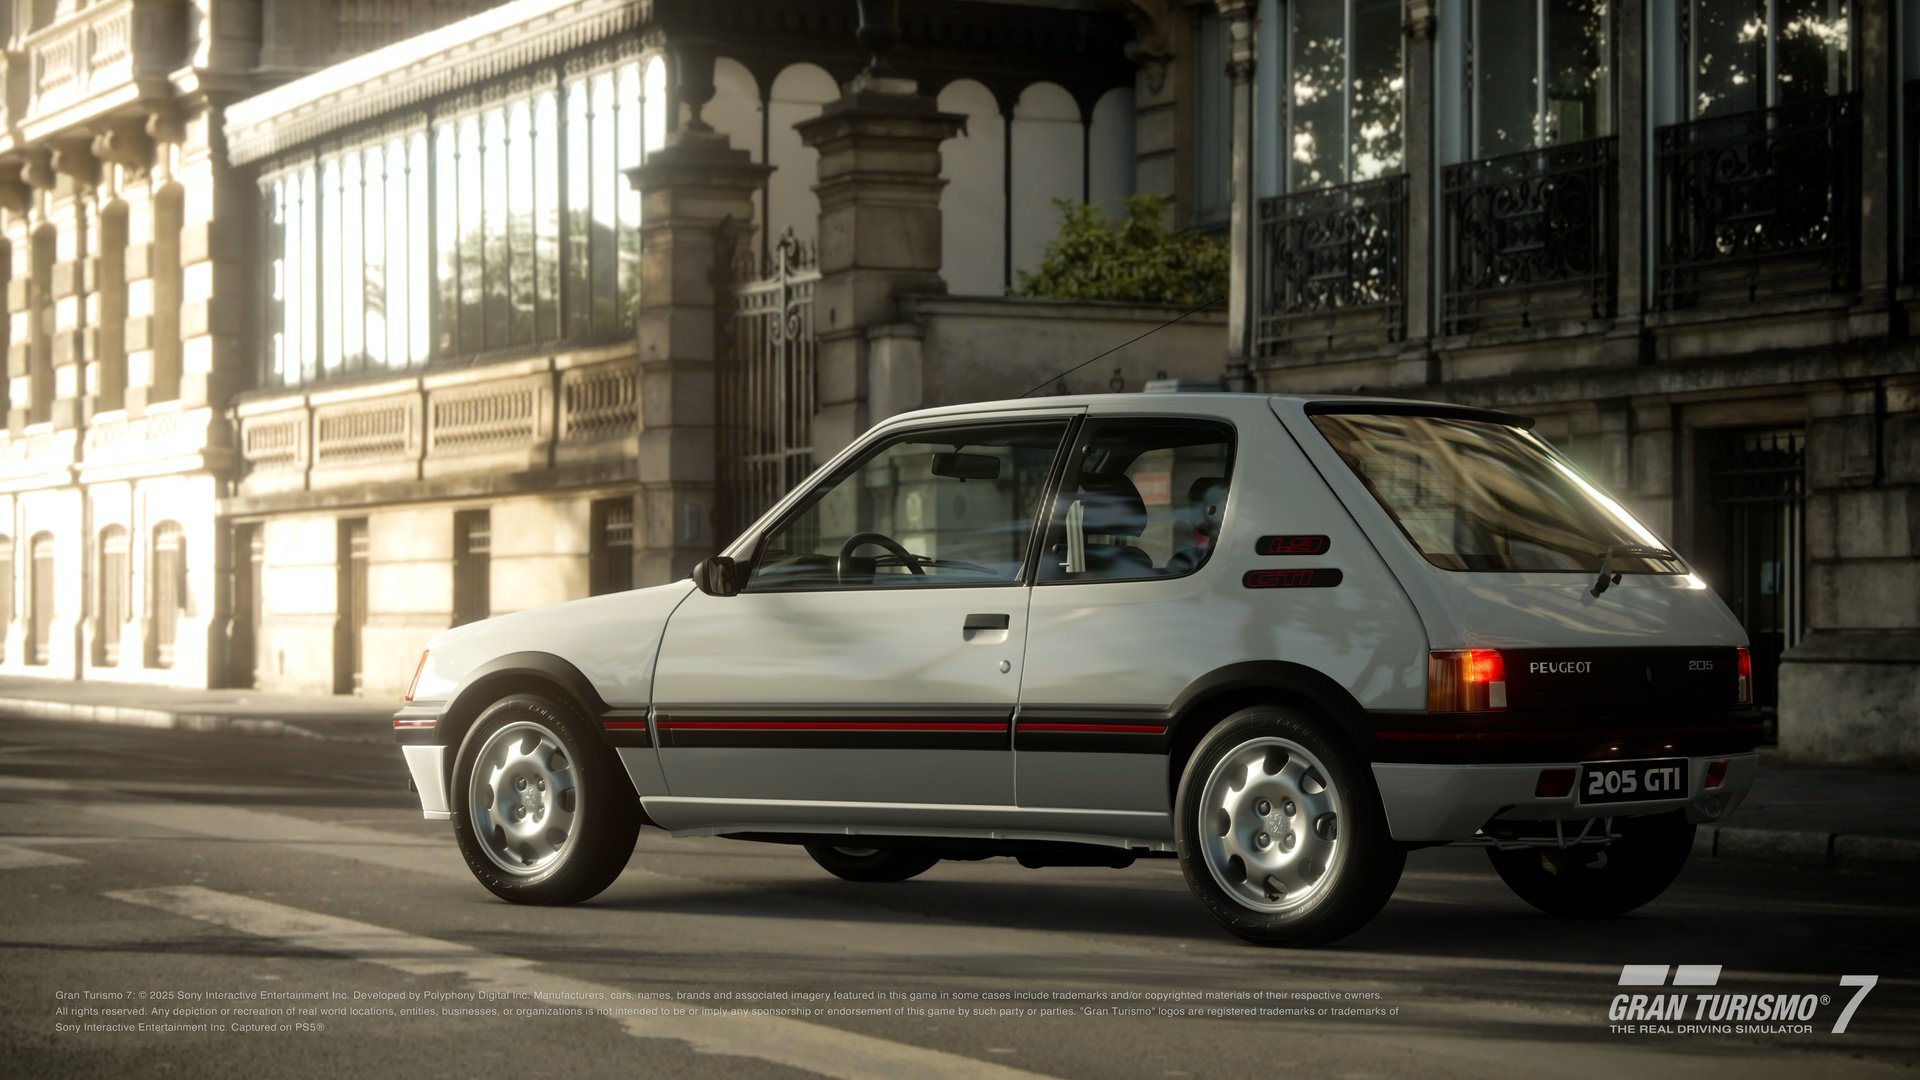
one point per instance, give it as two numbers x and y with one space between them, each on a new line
1117 515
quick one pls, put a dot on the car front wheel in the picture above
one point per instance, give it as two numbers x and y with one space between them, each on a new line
1280 831
1596 881
542 810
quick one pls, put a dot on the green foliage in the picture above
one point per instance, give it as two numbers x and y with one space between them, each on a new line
1135 258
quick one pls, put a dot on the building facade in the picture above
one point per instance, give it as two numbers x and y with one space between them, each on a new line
1680 233
332 325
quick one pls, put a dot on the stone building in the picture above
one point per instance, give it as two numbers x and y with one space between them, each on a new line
1680 233
334 324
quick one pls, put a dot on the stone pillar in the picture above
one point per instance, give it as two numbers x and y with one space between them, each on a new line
1879 215
1241 219
1850 690
687 188
72 214
880 226
1625 341
219 284
1422 209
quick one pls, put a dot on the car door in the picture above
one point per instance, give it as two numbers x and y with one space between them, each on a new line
1120 617
872 659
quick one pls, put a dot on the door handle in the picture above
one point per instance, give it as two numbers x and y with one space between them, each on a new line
987 622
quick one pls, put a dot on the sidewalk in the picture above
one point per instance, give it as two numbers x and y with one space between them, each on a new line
237 712
1808 816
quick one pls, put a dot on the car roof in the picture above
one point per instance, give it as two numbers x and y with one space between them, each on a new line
1213 402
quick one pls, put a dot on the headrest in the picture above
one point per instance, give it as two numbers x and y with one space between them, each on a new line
1206 502
1113 505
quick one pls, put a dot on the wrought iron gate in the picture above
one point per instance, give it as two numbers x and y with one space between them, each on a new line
765 392
1757 484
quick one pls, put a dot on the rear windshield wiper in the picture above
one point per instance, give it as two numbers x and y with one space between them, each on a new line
1609 576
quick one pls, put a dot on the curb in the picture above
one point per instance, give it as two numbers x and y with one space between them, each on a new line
1854 852
208 723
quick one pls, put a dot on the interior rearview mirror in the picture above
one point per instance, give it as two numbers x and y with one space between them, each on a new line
966 466
715 576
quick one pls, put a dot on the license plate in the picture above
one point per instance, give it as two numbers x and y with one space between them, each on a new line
1633 781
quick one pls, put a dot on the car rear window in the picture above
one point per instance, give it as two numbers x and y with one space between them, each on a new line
1477 495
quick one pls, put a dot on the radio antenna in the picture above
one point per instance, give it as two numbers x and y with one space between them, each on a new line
1204 305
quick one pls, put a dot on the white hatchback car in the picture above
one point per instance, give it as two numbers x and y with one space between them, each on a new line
1283 639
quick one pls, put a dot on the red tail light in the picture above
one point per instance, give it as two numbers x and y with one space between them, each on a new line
1745 662
1466 680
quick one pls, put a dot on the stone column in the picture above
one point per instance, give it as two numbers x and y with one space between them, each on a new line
1626 343
1422 206
1242 244
687 188
1879 216
72 214
219 284
880 227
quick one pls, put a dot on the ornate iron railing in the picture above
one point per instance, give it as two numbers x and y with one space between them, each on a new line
1529 236
766 393
1912 185
1762 202
1329 263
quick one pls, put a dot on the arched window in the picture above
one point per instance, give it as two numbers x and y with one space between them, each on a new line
113 604
168 571
40 599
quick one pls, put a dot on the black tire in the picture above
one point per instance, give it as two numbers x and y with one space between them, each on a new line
871 864
603 814
1598 882
1359 862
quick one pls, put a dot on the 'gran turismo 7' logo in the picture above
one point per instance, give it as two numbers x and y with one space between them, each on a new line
1697 1012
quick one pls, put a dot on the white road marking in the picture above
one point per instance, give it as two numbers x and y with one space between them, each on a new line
434 855
778 1039
19 858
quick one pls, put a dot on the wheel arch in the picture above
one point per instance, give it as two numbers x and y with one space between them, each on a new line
1224 691
515 673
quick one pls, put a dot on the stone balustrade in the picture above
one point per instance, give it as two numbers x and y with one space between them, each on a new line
515 415
99 51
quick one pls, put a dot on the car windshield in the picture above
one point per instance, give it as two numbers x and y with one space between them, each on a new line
1478 495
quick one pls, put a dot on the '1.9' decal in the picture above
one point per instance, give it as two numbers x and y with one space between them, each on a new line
1292 545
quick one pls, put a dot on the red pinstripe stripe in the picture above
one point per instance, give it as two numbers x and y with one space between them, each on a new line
413 723
625 725
1121 729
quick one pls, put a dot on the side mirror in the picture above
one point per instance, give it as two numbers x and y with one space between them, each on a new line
715 576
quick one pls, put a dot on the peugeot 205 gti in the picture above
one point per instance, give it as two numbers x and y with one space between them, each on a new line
1285 640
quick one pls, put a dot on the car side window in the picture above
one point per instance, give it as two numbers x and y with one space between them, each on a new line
952 505
1142 498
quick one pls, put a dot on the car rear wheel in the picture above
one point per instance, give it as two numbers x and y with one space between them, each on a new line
1280 831
1595 881
542 810
870 864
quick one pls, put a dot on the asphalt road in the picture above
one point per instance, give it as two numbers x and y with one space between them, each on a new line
291 886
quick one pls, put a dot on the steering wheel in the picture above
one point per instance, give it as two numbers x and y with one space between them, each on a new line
860 540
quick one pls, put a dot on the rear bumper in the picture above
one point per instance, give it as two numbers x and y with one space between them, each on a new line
1443 802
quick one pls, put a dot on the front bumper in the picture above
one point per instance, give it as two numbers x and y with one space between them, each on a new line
428 766
1442 803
